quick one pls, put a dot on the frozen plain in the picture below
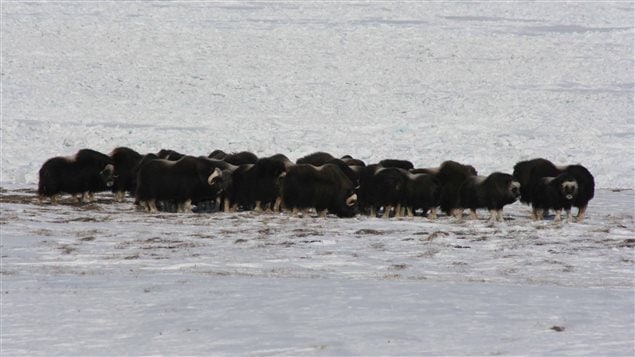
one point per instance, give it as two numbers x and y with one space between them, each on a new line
486 83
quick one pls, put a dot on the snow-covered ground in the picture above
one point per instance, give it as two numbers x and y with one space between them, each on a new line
487 83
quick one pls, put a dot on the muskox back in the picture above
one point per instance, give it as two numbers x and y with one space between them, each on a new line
241 158
87 171
171 155
316 159
401 164
351 161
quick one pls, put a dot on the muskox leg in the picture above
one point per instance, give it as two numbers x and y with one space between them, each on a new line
581 213
473 214
500 215
387 210
493 214
433 213
152 205
185 207
534 214
277 206
120 195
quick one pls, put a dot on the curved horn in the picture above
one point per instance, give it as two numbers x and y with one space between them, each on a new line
215 174
352 200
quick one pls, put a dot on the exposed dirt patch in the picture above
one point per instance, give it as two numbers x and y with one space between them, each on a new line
370 232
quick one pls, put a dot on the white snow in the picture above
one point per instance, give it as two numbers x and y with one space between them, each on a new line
488 83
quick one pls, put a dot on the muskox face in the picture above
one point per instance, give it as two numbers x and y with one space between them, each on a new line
514 188
215 178
107 175
569 189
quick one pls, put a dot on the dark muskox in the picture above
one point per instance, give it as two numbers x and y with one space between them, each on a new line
450 176
402 164
86 172
383 187
422 193
531 172
399 189
324 188
237 159
171 155
256 185
492 192
316 159
182 181
125 160
555 193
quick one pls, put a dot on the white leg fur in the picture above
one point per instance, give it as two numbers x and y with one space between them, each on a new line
152 205
387 210
119 196
492 215
433 213
581 213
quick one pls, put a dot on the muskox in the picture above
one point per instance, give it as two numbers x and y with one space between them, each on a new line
183 181
531 172
556 193
256 186
422 193
324 188
399 189
450 176
492 192
383 187
86 172
125 160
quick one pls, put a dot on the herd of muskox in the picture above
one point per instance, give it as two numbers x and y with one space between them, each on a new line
170 181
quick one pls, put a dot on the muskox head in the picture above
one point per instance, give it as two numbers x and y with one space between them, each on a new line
569 188
215 178
514 188
107 175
